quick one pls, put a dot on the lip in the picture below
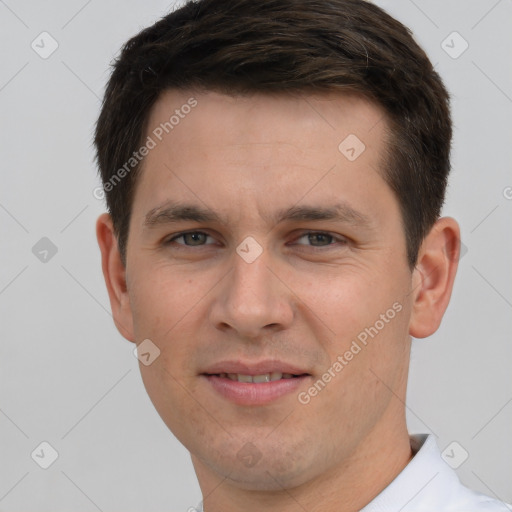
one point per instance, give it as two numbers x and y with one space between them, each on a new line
254 393
254 368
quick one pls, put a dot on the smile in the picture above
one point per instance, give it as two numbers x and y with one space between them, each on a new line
264 377
254 390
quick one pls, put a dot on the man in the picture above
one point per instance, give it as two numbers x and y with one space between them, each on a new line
274 174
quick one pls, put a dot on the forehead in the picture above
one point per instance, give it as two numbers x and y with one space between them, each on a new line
264 116
262 151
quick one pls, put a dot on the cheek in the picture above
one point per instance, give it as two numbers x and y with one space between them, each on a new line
347 302
160 298
366 379
171 397
168 309
367 338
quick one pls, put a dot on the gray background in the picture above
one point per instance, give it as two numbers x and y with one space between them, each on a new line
68 377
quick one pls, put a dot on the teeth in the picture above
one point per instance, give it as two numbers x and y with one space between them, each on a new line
261 378
265 377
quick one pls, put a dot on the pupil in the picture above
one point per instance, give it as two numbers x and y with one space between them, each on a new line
320 236
196 237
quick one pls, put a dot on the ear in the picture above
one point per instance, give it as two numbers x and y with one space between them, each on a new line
433 277
114 273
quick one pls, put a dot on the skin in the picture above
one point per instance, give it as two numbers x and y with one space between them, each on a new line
303 300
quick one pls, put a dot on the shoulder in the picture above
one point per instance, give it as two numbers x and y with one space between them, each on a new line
448 493
467 500
429 484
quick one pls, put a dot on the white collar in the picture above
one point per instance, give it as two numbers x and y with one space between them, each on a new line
429 484
425 475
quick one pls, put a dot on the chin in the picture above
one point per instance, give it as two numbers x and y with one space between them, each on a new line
265 478
272 468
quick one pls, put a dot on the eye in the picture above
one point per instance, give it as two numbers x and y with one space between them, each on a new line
317 239
196 238
321 239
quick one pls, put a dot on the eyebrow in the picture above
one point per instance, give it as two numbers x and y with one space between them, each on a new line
172 212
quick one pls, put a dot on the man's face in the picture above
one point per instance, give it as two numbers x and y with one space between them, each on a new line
294 298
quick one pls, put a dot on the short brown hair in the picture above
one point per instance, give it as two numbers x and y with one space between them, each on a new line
285 46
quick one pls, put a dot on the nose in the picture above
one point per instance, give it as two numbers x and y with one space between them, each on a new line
252 300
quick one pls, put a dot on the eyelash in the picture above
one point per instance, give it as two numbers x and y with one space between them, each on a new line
339 239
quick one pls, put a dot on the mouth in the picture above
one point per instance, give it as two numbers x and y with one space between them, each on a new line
264 377
245 384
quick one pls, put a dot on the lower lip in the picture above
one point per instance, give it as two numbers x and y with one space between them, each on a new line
254 393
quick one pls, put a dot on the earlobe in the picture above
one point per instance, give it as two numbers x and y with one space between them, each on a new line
433 277
114 273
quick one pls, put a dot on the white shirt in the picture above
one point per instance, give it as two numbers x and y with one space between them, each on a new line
428 484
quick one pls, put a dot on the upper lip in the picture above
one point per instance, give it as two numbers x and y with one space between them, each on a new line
254 368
